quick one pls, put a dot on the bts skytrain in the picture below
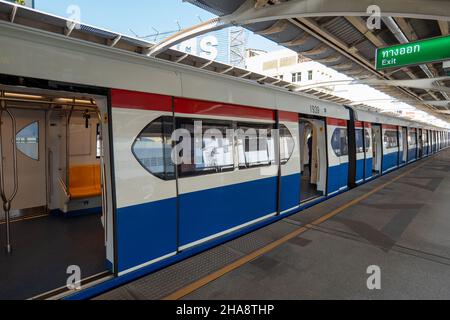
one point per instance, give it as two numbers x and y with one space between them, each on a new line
92 129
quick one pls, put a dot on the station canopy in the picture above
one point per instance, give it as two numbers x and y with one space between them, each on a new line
341 41
336 34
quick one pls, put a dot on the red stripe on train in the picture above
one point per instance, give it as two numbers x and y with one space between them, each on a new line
288 116
390 127
140 100
198 107
358 124
336 122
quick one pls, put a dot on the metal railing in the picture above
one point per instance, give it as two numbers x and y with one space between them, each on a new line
8 199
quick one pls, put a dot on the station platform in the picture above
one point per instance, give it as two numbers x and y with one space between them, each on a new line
399 222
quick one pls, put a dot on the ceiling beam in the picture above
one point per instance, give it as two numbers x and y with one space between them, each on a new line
248 14
310 26
361 26
409 32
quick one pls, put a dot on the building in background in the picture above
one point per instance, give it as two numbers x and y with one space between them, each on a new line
289 66
28 3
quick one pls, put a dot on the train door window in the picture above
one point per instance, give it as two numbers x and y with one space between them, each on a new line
210 153
412 139
420 142
27 140
255 145
153 148
405 145
425 141
390 140
360 141
339 142
287 144
367 138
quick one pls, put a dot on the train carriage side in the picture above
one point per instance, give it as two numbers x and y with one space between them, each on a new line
412 144
390 147
160 210
338 155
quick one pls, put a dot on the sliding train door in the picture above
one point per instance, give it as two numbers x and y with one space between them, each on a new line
390 147
377 149
290 180
146 187
338 155
412 144
419 143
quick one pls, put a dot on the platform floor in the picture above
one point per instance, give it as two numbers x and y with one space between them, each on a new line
44 247
399 222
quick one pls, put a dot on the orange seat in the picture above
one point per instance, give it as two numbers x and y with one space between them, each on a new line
85 181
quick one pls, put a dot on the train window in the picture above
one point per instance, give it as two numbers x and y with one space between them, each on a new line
153 148
255 145
359 141
213 153
425 138
287 144
339 142
390 139
412 138
27 141
368 141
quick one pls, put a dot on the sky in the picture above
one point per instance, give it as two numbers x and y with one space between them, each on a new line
140 16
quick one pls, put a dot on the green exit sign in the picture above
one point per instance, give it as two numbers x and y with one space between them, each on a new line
414 53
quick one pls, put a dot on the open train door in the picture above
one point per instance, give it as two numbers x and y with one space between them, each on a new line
313 159
46 228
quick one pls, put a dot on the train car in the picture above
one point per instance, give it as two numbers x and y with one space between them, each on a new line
90 140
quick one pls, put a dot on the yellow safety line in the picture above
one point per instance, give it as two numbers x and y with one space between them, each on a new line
240 262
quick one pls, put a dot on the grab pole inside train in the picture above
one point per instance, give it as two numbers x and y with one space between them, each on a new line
7 200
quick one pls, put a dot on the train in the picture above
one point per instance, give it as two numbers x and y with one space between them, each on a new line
94 131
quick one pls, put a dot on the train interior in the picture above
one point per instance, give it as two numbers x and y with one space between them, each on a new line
377 149
313 159
54 160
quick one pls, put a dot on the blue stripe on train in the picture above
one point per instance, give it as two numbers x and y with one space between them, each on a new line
290 191
208 212
149 231
146 232
359 171
401 158
337 177
369 169
390 161
412 154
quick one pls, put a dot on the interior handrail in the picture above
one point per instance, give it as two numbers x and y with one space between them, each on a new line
8 199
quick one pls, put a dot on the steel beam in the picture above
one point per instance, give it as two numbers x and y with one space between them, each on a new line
248 13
